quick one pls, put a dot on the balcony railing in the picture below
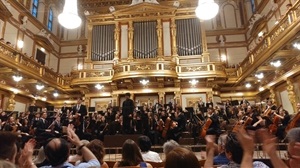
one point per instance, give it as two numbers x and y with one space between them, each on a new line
283 32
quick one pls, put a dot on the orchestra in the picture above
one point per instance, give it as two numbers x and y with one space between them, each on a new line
159 122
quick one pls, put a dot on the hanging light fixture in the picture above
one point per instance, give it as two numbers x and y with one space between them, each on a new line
17 78
207 9
69 17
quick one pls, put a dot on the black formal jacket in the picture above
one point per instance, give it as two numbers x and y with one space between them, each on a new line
127 107
82 110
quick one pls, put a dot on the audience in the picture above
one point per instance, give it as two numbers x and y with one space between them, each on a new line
6 164
76 159
8 146
169 146
145 144
96 146
131 156
181 157
221 158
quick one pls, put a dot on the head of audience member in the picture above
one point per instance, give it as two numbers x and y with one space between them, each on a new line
233 150
169 146
144 143
131 155
181 157
96 146
221 143
294 137
57 151
8 146
6 164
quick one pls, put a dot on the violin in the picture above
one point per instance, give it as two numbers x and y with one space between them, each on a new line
205 127
167 127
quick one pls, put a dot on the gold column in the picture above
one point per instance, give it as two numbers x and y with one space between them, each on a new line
173 37
117 42
272 95
159 37
291 94
177 98
115 99
205 53
11 103
130 41
161 98
89 48
82 32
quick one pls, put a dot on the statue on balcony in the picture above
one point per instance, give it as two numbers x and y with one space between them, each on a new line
291 93
24 23
135 2
11 103
152 1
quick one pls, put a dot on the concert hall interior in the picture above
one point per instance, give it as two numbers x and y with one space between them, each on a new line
215 81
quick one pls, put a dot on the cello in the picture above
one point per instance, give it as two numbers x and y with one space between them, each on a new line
238 125
273 127
293 122
166 128
205 127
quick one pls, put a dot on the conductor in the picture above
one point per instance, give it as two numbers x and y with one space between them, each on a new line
127 110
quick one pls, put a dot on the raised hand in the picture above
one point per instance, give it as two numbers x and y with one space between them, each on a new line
245 140
73 138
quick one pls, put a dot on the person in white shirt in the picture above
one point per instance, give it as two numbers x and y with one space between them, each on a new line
144 143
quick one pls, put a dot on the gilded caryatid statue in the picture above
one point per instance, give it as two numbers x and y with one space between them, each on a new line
11 103
291 93
272 96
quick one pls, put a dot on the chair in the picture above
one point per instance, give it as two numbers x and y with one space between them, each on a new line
157 164
110 163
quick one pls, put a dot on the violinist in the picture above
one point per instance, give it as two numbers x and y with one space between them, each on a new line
256 119
174 132
214 128
180 118
285 118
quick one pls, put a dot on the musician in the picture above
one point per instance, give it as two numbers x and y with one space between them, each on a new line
64 111
3 115
80 110
180 119
201 105
285 118
244 102
256 119
42 125
127 111
10 125
214 128
209 103
173 133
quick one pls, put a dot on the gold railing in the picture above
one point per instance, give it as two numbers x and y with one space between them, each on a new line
272 41
142 69
201 70
91 76
13 59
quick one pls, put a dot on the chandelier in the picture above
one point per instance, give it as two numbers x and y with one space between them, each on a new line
69 17
207 9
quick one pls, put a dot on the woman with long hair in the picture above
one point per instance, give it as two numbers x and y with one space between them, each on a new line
131 156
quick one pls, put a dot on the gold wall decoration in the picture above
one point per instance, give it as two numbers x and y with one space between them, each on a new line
101 105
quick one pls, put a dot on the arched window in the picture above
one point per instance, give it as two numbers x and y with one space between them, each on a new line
253 5
34 10
50 20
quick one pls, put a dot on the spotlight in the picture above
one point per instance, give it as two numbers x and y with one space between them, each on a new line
144 82
17 78
39 86
276 63
260 75
248 85
99 87
193 82
55 94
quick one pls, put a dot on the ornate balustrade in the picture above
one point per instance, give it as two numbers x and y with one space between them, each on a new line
91 76
282 33
201 70
13 59
145 69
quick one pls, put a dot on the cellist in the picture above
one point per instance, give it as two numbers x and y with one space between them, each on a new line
214 128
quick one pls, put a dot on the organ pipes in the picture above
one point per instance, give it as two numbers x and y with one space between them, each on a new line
188 39
145 39
159 36
103 44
